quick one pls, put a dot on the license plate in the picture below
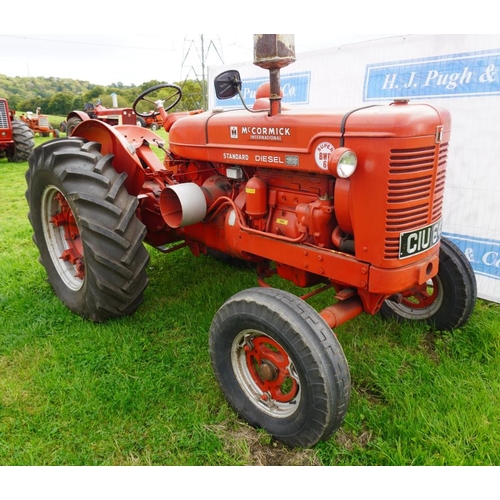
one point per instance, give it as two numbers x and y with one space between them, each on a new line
420 240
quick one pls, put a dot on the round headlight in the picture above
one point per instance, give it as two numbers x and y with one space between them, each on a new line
343 163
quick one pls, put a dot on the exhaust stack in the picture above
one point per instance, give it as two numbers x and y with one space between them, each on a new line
274 52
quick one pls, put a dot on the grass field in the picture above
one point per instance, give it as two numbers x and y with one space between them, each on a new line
140 390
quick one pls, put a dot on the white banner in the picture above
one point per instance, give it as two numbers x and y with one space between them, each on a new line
458 72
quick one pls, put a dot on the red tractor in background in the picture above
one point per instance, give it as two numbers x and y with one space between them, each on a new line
345 200
153 121
16 138
112 116
39 124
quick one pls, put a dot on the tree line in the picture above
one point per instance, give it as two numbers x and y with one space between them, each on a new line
59 96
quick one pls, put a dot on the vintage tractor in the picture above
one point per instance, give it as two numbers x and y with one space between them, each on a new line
148 118
153 121
39 124
112 116
348 200
16 138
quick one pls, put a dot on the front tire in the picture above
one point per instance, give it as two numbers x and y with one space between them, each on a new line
280 366
86 230
24 142
444 303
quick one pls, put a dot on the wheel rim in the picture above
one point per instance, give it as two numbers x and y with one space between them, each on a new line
420 302
62 237
265 373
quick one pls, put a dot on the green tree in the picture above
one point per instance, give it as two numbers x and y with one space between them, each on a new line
60 103
78 102
93 94
14 101
192 95
33 103
147 85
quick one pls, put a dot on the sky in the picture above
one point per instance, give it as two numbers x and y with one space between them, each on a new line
104 59
101 42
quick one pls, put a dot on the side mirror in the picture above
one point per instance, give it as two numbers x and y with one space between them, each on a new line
227 84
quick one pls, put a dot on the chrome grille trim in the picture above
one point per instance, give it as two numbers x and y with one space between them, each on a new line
415 192
4 121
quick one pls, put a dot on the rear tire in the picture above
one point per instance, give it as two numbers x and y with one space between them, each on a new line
72 124
280 366
444 303
24 142
86 230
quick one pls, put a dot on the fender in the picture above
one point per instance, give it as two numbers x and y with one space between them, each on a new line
128 143
78 114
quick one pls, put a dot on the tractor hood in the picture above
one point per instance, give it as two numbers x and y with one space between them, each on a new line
293 138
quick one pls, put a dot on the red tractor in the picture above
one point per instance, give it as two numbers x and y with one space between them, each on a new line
111 116
16 138
348 200
39 124
153 121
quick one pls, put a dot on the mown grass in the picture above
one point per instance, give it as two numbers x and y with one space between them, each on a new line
140 390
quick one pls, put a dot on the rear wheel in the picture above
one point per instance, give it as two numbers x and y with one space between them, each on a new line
71 124
280 366
445 302
86 230
24 142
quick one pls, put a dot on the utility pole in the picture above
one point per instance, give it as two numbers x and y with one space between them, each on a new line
198 53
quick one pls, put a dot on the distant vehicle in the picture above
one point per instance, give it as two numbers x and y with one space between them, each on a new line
16 138
39 123
111 116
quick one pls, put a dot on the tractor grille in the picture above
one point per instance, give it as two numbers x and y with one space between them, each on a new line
415 192
43 121
4 122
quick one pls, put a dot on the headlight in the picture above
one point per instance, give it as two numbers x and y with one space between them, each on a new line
343 163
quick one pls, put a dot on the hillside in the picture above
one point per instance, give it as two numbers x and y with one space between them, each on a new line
58 96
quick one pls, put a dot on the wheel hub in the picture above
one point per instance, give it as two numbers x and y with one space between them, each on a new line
270 368
62 238
268 371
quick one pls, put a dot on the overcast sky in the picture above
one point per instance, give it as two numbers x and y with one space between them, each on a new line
135 59
160 53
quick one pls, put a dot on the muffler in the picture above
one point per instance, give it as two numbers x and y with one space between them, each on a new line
183 204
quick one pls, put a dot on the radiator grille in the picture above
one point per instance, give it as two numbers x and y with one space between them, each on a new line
43 121
415 192
4 122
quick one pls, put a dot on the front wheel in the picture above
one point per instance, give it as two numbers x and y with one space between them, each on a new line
86 229
445 302
24 142
280 366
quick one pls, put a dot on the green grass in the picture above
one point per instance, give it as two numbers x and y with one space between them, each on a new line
140 390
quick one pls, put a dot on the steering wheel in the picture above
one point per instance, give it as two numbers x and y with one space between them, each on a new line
168 103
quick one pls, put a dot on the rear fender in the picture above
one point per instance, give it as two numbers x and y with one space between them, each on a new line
78 114
123 142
